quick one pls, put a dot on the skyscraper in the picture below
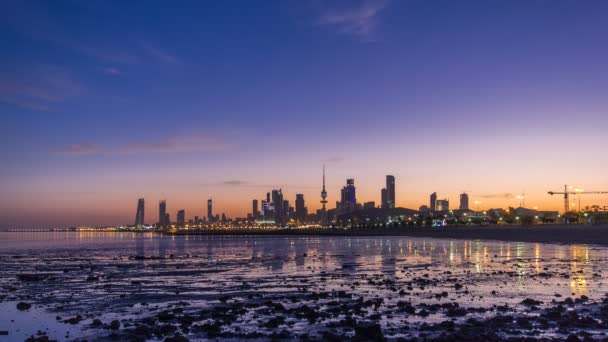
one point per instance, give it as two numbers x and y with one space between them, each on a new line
383 198
255 211
277 200
464 201
162 214
139 216
433 203
300 208
390 191
210 210
349 197
181 216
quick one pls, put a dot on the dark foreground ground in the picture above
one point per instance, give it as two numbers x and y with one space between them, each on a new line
562 234
152 287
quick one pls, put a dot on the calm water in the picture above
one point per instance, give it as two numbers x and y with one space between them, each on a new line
202 269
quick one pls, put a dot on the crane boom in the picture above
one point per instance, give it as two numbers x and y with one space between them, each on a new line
566 193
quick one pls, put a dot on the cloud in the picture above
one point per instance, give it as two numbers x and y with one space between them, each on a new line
498 195
38 87
112 71
176 145
234 182
159 54
78 149
359 21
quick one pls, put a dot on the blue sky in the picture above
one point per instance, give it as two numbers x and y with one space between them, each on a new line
106 101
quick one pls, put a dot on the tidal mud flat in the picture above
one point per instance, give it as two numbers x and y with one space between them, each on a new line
120 286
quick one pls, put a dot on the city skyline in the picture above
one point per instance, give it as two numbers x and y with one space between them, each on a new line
107 102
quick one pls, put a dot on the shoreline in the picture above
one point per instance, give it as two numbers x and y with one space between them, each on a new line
557 234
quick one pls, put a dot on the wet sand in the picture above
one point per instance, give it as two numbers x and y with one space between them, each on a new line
125 286
560 234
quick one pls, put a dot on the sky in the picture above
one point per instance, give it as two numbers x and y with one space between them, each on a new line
103 102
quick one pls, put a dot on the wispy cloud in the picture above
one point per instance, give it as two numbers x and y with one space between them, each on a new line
38 87
234 182
159 54
359 21
77 149
112 71
181 144
175 144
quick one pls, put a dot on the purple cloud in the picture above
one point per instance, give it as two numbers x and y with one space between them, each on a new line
358 21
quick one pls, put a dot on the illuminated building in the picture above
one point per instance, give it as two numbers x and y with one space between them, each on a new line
139 215
390 192
442 205
464 201
348 201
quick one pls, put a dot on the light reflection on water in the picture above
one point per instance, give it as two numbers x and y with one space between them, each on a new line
303 255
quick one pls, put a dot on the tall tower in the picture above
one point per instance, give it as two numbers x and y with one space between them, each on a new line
139 216
323 192
323 219
464 201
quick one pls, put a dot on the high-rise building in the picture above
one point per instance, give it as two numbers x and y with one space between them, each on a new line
464 201
369 205
433 203
181 216
390 192
279 212
168 219
348 201
383 198
210 210
255 211
162 214
300 208
139 216
442 205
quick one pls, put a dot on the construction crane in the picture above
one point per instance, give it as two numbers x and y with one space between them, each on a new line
574 192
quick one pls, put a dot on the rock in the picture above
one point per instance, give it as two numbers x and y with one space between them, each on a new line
531 302
22 306
96 323
368 331
114 325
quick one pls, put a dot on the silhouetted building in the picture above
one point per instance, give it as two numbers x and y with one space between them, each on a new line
255 211
390 192
168 219
162 214
279 211
383 198
139 215
224 218
181 216
348 201
196 219
369 205
210 210
464 201
442 205
433 203
301 211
